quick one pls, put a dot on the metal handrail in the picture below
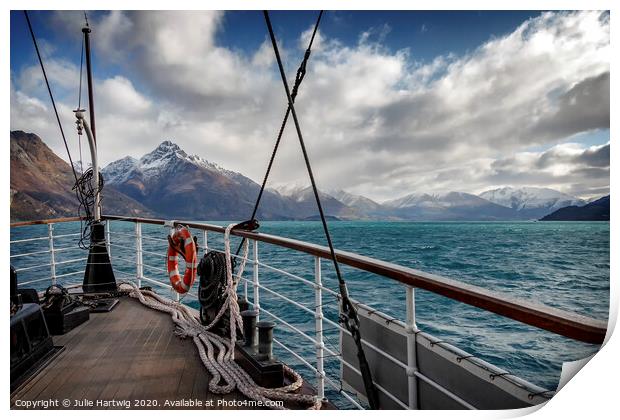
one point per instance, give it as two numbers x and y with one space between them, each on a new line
46 221
561 322
558 321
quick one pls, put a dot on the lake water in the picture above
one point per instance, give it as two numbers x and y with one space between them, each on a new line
561 264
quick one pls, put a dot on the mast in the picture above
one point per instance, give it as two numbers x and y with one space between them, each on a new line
90 128
89 75
99 275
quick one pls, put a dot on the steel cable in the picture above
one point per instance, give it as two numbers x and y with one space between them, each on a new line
349 314
299 77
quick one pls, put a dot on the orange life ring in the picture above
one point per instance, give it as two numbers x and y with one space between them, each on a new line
181 242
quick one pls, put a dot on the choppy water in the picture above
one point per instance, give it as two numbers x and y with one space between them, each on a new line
564 265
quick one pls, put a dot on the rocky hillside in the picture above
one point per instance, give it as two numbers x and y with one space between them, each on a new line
41 184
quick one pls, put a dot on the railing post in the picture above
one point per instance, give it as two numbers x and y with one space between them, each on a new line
139 267
205 245
318 316
245 289
412 364
255 277
107 236
50 234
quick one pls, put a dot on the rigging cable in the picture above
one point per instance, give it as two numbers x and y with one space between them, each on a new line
299 77
349 315
83 188
49 90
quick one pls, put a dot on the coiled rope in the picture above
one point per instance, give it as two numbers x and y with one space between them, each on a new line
216 352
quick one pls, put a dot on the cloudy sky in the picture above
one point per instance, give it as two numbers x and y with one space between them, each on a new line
392 103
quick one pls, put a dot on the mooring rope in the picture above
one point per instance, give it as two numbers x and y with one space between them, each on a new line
216 352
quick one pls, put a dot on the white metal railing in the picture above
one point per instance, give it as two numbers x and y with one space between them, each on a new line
53 252
318 369
412 365
256 302
316 338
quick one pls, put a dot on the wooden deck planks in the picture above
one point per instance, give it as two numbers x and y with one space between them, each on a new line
131 354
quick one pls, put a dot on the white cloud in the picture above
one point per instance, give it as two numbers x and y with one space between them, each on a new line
376 122
60 73
263 56
573 168
118 95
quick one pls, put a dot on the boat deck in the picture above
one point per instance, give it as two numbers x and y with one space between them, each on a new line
129 354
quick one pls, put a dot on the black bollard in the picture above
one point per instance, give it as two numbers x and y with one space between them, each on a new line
99 276
265 339
249 328
244 305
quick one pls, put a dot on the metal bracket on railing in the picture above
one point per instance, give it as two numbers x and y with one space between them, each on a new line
248 225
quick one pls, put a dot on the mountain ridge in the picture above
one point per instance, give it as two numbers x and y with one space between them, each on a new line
180 185
169 182
296 201
531 202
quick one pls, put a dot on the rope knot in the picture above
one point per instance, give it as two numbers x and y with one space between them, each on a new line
187 331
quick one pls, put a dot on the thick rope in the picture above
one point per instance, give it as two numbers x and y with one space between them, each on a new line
216 352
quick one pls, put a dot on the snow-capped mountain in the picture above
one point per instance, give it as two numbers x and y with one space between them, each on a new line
173 183
358 202
531 202
413 199
176 184
447 206
303 196
81 167
170 183
295 191
120 170
160 162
